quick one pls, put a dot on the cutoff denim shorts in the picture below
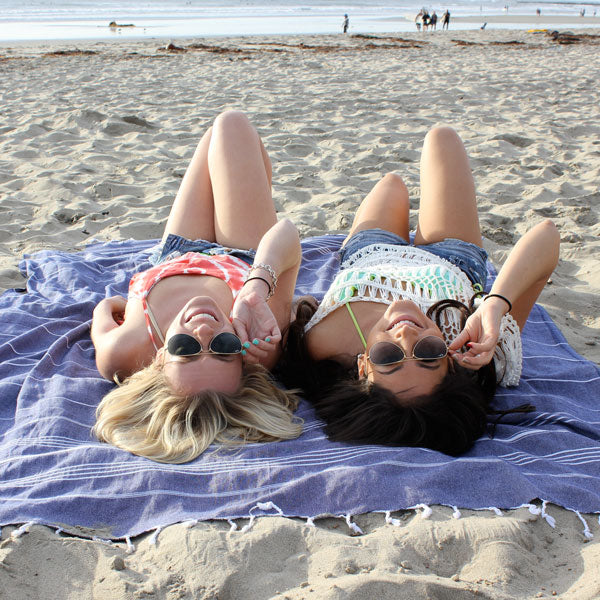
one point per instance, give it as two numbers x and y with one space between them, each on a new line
468 257
175 245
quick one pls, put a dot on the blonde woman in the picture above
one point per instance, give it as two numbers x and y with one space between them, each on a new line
192 345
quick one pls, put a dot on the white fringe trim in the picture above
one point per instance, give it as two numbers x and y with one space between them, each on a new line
17 533
353 526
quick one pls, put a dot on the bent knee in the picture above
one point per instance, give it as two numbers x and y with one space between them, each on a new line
231 118
396 182
442 134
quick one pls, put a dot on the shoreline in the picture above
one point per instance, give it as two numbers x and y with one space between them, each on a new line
366 26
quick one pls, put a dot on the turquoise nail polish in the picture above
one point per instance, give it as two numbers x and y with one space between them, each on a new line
255 342
243 353
267 339
246 344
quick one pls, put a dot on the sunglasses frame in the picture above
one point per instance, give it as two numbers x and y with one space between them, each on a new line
405 357
209 351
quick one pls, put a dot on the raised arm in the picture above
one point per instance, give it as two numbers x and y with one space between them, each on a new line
520 281
255 317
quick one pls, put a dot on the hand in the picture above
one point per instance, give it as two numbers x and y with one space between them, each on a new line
256 326
479 335
113 306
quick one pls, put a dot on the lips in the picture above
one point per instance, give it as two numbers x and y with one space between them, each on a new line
201 313
404 320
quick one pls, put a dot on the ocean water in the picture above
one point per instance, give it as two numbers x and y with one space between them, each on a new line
89 19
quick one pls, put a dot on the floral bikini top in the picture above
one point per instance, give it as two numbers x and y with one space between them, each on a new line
230 269
385 273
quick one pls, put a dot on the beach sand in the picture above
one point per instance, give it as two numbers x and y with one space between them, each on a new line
94 140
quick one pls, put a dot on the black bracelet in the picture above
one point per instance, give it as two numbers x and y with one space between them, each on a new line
262 279
502 298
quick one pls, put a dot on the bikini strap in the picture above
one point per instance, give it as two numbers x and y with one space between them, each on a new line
155 325
360 333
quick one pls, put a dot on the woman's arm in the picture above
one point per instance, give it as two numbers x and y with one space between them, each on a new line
255 318
121 347
521 280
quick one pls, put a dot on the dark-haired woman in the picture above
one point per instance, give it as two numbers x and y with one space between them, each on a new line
404 349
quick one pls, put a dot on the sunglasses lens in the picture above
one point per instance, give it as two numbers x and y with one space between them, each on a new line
430 348
385 353
182 344
226 343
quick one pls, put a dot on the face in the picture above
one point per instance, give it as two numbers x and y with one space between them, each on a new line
404 324
201 318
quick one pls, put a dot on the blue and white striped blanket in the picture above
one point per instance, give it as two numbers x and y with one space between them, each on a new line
53 471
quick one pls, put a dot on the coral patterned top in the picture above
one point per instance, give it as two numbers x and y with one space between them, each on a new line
230 269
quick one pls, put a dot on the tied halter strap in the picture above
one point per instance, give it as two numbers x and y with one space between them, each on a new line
354 320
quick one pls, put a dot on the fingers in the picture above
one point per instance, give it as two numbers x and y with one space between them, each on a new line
256 351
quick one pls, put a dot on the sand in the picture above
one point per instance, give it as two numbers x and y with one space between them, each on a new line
94 140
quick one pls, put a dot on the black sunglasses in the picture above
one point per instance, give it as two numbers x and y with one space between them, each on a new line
182 344
387 353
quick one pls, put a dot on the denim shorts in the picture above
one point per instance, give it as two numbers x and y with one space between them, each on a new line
175 246
468 257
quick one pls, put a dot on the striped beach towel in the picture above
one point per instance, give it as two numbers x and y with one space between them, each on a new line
53 471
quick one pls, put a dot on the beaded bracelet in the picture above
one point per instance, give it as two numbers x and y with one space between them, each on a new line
501 298
269 269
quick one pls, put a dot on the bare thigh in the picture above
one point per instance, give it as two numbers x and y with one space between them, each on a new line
192 213
240 172
385 207
448 206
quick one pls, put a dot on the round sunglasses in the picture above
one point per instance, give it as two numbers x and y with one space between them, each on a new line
182 344
388 353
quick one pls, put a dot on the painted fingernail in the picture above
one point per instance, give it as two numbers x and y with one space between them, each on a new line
469 345
243 353
255 341
267 339
246 344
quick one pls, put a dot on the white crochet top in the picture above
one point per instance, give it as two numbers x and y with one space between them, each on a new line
385 273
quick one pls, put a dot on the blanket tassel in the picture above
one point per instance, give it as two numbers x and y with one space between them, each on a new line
17 533
427 512
353 526
154 537
390 520
260 506
130 545
586 530
548 518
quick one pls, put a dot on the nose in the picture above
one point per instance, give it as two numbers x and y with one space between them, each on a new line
406 336
204 333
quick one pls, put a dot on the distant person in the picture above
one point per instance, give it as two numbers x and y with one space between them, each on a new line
538 11
433 20
425 19
419 20
345 24
445 19
483 26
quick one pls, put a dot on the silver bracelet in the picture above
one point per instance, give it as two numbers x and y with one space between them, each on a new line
269 269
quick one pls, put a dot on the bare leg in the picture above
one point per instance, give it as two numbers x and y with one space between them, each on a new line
385 207
448 207
192 213
240 172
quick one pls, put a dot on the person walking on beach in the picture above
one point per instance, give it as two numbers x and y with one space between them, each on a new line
419 20
445 19
425 19
345 24
192 345
433 20
405 349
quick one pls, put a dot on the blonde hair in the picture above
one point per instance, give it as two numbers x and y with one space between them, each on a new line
144 416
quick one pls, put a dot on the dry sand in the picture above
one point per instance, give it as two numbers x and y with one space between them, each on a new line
94 140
